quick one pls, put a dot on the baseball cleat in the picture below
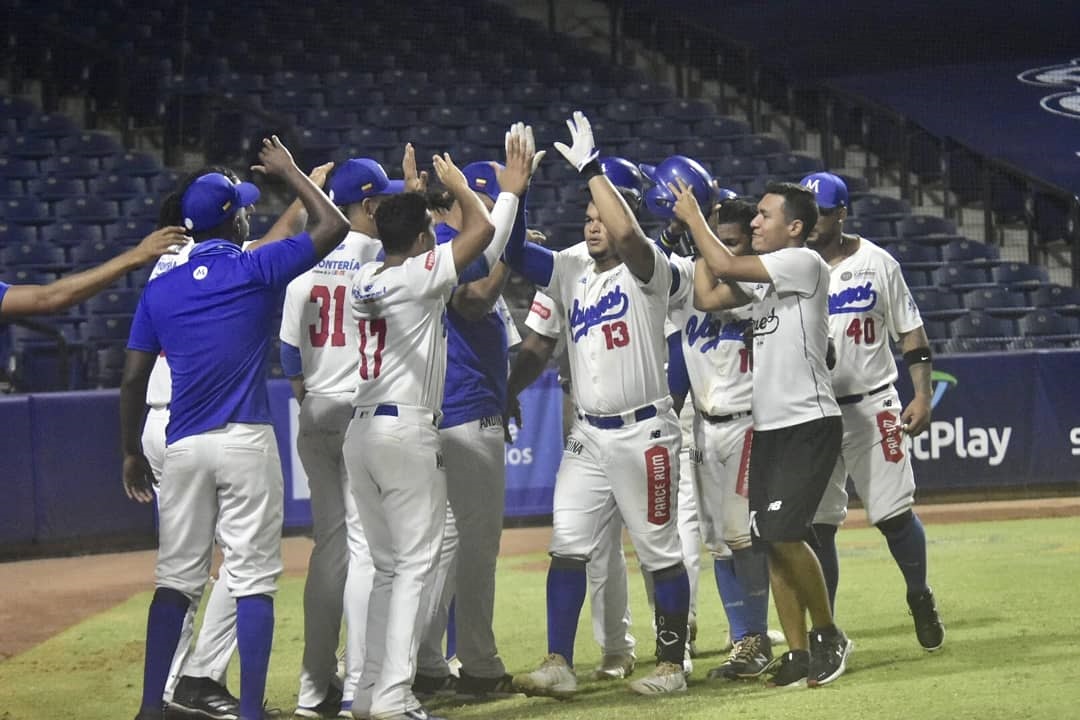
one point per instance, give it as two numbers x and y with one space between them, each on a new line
775 637
928 626
201 697
748 659
478 688
665 678
346 710
429 686
828 656
330 706
554 678
789 670
616 666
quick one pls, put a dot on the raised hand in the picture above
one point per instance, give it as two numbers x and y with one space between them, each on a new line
449 174
274 158
320 173
521 159
414 181
582 150
686 206
163 241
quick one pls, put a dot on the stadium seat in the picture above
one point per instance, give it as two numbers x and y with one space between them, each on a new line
880 206
1021 275
971 252
531 94
118 187
961 345
93 251
138 164
11 234
649 151
923 225
664 129
718 126
113 302
36 255
51 125
733 167
935 304
90 210
914 255
961 277
51 189
71 166
870 227
25 211
18 169
1065 300
650 92
445 116
17 109
132 230
688 110
101 329
1048 322
388 117
11 187
757 145
29 147
978 324
997 301
793 165
92 144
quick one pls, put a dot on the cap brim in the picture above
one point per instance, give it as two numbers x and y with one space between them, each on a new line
249 193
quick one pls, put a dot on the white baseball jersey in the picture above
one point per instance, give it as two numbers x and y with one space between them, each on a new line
718 359
400 314
868 298
792 384
317 320
159 388
615 332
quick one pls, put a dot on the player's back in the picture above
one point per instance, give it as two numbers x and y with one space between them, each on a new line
400 315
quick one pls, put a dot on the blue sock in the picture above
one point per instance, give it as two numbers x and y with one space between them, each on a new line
907 543
164 623
732 595
254 636
565 595
672 594
451 631
752 575
823 543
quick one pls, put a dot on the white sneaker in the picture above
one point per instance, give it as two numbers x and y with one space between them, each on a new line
617 666
665 678
554 678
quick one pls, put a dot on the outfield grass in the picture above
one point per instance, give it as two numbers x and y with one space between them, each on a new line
1006 591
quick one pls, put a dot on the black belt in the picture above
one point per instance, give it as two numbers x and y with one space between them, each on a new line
852 399
613 422
724 418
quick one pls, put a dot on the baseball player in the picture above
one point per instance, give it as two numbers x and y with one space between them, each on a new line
869 302
25 300
318 355
392 445
626 438
797 424
221 470
479 335
713 347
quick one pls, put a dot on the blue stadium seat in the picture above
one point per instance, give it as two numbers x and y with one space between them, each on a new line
1035 342
914 255
36 255
625 111
1058 298
132 230
719 126
755 145
664 129
734 167
704 150
165 182
25 211
93 251
92 144
90 210
413 96
997 301
373 137
962 345
610 130
793 165
70 166
348 78
649 151
1021 275
870 227
649 92
880 206
118 187
11 187
388 117
923 225
505 113
978 324
532 94
962 277
51 125
51 189
689 110
102 329
484 135
971 252
17 109
591 93
144 207
11 234
935 304
18 169
113 302
29 147
137 164
936 329
1048 322
453 117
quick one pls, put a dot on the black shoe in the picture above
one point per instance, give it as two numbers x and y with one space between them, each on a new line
428 686
928 627
470 687
789 670
829 651
200 697
328 708
748 659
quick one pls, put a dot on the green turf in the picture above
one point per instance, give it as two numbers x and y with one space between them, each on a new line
1006 590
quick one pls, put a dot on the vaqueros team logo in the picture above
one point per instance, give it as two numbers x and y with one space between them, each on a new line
1065 75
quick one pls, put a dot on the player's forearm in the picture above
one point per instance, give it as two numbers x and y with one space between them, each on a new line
921 373
503 215
133 385
710 295
476 299
630 241
530 362
477 229
73 289
326 224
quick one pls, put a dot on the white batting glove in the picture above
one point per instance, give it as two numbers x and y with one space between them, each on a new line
583 149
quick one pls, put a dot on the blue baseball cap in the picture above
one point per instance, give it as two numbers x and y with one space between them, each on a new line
212 199
829 189
357 179
622 173
483 177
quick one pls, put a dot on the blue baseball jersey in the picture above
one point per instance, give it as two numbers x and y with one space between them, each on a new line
476 355
3 291
213 317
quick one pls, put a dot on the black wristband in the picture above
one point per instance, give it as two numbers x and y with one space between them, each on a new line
916 356
591 170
